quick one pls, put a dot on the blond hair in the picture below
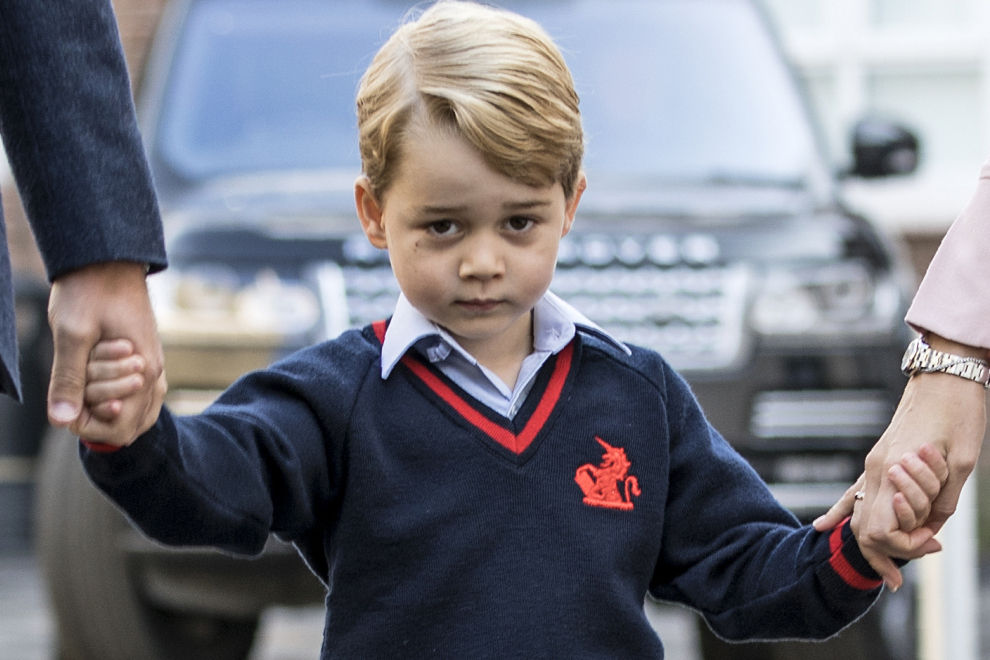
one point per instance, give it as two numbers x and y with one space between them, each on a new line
492 76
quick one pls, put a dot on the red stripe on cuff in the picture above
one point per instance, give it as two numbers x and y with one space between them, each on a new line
99 447
841 565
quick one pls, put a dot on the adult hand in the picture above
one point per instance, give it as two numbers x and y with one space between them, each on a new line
103 301
943 410
916 480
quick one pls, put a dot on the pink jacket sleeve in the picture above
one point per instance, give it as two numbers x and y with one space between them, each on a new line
953 299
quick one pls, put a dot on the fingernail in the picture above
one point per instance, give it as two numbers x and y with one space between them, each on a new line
63 412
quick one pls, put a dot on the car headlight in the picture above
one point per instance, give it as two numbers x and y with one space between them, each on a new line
825 300
213 303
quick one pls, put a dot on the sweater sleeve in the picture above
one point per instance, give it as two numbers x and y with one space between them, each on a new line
743 561
265 458
70 132
952 299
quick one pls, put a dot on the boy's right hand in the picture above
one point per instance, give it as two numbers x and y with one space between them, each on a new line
113 373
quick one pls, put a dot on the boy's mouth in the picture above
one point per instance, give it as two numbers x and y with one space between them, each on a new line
478 305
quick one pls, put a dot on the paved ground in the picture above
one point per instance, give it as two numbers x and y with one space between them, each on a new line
286 634
25 628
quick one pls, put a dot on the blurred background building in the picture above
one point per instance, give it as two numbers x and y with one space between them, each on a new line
923 62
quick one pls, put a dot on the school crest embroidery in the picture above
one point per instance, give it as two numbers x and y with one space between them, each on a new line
608 485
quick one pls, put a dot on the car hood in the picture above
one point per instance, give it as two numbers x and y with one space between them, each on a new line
278 202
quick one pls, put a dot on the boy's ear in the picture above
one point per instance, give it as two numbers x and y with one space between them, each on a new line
571 205
369 212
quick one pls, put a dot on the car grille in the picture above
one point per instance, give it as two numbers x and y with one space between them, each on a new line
652 291
819 414
809 444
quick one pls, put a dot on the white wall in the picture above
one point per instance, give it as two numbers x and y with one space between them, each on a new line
923 62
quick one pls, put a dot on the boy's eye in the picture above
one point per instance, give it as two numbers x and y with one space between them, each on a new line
519 223
441 227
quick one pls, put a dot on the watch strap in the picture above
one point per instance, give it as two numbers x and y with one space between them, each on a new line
925 359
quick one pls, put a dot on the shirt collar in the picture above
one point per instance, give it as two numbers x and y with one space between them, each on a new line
555 324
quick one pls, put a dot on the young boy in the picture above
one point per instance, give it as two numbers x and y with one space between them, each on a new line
486 474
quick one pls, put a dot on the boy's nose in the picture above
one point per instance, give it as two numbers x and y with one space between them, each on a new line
481 260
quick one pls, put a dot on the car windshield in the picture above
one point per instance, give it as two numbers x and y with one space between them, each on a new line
679 90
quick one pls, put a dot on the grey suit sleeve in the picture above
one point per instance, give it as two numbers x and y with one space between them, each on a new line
69 128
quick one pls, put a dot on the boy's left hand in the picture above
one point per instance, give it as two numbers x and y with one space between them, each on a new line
918 479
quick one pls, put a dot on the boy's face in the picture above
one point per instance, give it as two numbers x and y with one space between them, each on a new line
471 249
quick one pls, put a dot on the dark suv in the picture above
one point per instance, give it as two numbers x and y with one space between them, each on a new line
712 230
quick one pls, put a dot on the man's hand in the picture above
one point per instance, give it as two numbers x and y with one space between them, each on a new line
103 302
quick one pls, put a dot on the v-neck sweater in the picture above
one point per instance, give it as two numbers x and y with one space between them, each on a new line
554 323
442 528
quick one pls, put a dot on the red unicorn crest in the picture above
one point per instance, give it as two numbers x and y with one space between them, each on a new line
601 484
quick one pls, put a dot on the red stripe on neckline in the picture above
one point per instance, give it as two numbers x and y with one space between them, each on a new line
379 328
551 395
516 443
497 433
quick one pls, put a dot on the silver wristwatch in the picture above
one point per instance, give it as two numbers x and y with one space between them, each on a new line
922 358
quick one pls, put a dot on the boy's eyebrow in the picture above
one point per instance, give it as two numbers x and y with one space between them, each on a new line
508 206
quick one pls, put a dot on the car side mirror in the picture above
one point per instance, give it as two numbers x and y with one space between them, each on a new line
883 148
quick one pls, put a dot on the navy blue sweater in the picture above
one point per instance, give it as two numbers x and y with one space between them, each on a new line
442 528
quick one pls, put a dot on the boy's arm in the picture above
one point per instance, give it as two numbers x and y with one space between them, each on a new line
175 483
264 458
732 552
216 480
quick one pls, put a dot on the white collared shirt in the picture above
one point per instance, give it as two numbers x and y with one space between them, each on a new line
554 325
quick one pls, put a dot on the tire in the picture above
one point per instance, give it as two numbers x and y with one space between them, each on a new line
92 585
